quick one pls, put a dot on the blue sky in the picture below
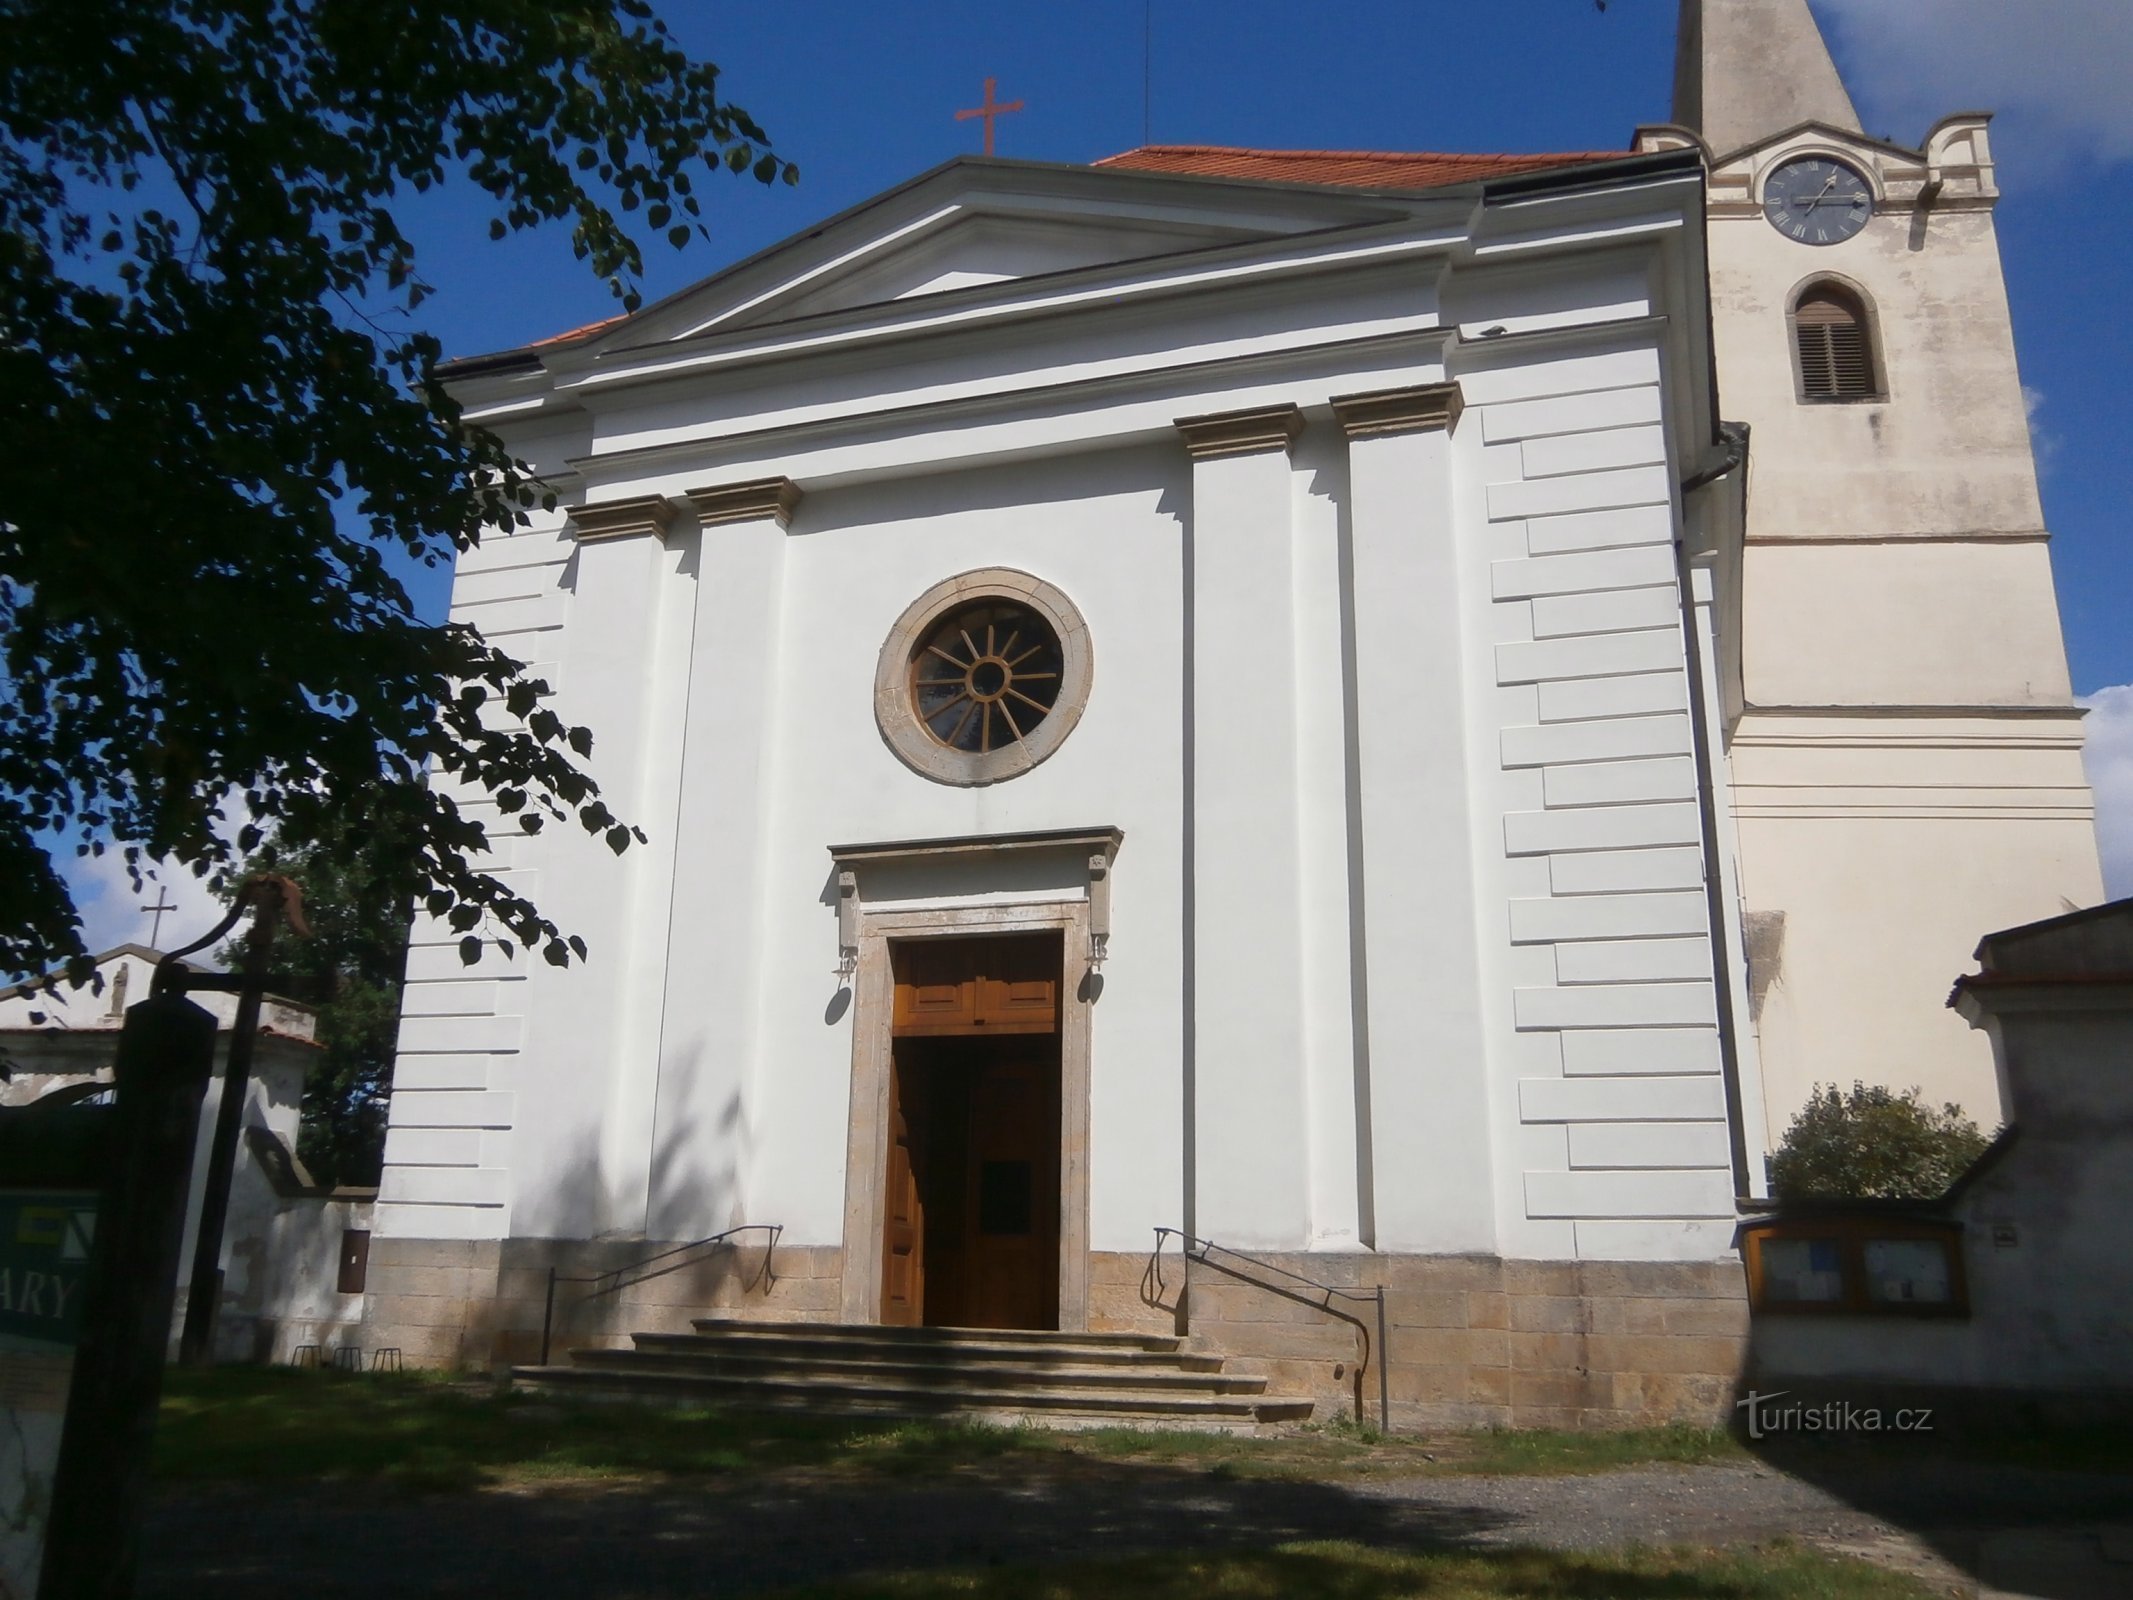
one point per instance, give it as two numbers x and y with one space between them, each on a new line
863 95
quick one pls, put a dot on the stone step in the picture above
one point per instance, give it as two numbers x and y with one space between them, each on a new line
1087 1407
983 1374
656 1353
799 1342
877 1333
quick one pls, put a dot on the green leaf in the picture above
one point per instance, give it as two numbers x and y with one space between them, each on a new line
233 384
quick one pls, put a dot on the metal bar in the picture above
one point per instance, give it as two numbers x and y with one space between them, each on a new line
548 1316
612 1281
1384 1355
1190 1241
1196 1248
675 1250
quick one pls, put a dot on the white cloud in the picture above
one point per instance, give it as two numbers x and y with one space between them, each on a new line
110 905
2109 757
2043 443
2055 70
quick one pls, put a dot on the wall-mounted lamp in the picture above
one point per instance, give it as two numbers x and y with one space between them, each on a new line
1099 907
847 922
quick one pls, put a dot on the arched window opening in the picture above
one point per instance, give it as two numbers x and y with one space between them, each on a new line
1835 349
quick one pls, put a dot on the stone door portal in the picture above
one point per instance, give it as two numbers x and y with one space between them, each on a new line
971 1216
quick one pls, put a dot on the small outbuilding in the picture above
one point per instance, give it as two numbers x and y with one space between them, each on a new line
289 1244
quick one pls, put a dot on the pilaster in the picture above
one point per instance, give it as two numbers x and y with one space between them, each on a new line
575 1176
707 1041
1422 1061
1247 1028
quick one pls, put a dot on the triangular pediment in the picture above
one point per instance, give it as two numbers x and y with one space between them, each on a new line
1820 136
977 224
975 247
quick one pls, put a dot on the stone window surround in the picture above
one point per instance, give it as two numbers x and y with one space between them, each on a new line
897 717
1870 330
1078 921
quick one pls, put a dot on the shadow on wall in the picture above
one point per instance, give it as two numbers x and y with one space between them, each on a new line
686 1197
598 1291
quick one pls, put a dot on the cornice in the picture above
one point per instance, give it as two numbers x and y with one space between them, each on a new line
1102 841
1239 433
623 519
1426 408
1425 344
982 309
775 498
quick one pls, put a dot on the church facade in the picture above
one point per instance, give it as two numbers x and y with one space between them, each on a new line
1253 694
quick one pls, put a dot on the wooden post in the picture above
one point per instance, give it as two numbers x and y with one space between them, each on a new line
271 898
99 1487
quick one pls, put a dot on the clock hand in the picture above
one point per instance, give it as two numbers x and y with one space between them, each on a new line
1828 184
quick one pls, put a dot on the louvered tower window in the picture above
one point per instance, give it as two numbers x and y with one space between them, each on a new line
1836 354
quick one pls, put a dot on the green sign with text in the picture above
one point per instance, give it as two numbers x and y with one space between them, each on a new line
45 1237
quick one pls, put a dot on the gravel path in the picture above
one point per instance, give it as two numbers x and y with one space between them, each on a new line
733 1539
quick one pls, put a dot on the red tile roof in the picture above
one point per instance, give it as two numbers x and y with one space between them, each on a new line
1377 169
577 333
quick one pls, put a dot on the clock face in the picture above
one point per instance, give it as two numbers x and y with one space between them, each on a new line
1817 201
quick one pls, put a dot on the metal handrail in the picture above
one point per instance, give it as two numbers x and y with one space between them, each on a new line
1194 1248
619 1274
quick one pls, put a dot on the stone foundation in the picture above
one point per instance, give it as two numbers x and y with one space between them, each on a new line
480 1303
1475 1341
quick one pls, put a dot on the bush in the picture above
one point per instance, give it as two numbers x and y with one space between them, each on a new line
1873 1144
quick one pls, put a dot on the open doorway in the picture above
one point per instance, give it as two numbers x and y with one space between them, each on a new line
971 1219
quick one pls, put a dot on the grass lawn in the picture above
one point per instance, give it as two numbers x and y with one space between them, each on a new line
429 1432
1341 1571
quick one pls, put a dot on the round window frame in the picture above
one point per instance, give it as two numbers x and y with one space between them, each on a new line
897 716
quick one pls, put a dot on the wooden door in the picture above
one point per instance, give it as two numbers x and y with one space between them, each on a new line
1011 1206
903 1251
951 988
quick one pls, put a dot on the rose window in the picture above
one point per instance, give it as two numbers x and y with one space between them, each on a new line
987 675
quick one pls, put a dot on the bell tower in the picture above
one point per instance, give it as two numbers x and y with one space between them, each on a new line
1904 751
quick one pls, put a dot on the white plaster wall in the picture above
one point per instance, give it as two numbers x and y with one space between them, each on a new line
301 1291
1886 860
1902 623
456 1096
1106 529
1608 1109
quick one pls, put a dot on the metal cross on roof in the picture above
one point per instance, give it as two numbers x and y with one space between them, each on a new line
163 903
989 111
